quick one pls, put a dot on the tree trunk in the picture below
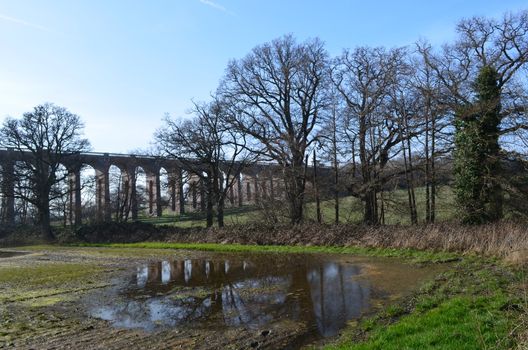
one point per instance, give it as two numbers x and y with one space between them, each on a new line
407 159
427 166
382 209
336 192
210 202
220 212
316 190
335 163
118 200
370 211
432 210
44 217
489 93
221 193
370 214
295 178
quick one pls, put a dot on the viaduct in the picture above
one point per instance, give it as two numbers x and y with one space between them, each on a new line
249 184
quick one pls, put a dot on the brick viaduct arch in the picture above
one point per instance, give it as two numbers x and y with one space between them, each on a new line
251 184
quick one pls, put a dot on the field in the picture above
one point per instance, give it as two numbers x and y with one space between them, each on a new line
396 211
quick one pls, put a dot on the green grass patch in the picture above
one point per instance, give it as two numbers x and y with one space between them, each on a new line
416 256
46 284
469 307
47 274
195 219
459 323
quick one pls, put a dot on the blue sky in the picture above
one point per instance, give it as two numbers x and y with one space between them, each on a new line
121 65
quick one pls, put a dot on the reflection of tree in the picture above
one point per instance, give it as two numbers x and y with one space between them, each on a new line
242 307
154 312
336 295
323 294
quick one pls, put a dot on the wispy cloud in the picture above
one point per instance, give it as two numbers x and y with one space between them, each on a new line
217 6
24 23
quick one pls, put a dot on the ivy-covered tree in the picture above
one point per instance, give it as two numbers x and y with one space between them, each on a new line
489 105
477 161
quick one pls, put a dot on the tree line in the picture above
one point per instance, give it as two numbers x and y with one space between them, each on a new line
371 115
370 108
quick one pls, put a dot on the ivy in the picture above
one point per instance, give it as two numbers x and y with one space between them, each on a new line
476 164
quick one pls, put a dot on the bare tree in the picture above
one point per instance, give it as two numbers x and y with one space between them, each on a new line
210 149
332 143
405 104
59 198
501 44
436 114
364 78
279 92
44 138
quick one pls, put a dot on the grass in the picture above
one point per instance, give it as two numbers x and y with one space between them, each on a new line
412 255
460 323
396 207
233 215
471 306
351 210
48 281
42 275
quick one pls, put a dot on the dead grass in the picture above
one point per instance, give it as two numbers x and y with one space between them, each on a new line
504 240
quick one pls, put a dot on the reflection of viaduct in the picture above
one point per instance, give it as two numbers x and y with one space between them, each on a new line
324 293
250 184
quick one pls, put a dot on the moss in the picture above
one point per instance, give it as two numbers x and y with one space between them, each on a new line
54 274
27 294
46 301
46 284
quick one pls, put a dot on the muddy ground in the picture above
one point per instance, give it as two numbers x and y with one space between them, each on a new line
39 311
41 308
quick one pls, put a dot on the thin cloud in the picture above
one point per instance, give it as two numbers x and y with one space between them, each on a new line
217 6
24 23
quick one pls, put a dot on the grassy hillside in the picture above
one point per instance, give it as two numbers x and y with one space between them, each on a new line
351 211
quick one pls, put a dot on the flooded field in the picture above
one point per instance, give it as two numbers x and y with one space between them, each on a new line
219 300
320 291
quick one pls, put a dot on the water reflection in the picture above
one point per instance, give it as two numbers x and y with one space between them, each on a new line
335 296
202 293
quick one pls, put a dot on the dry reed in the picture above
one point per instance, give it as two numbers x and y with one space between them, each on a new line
505 240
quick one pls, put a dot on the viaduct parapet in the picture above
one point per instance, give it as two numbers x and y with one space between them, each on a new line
248 185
